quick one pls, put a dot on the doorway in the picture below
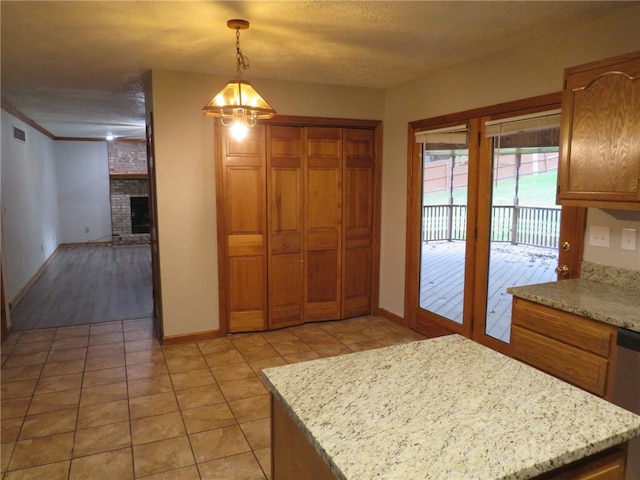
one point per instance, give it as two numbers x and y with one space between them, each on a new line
482 216
72 271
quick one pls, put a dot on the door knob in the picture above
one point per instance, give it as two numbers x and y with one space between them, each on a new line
563 270
566 246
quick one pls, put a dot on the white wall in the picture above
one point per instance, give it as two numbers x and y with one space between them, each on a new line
82 173
29 203
613 255
185 178
520 72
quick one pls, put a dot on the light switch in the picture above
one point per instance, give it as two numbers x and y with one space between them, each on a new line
629 236
599 236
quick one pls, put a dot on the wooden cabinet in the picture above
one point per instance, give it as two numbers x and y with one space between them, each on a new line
297 219
607 465
600 145
292 455
572 348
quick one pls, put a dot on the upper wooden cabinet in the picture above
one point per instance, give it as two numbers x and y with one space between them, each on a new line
298 220
600 146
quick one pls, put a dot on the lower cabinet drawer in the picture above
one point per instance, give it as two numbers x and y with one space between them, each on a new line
607 465
575 366
589 335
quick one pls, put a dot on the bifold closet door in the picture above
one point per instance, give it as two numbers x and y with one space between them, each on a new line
285 217
358 217
323 223
243 195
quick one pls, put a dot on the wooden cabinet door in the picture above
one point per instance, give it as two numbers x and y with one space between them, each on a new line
242 194
607 465
323 225
600 147
568 346
358 216
285 219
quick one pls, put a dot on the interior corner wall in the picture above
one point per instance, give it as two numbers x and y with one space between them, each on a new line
523 71
185 180
30 223
82 173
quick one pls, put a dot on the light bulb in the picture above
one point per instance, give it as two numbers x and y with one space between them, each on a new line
239 130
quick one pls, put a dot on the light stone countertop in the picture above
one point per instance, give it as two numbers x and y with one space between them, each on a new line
445 408
612 304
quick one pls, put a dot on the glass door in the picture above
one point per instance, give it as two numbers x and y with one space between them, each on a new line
482 217
444 208
523 218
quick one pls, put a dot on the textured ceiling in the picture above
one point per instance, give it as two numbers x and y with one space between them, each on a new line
75 67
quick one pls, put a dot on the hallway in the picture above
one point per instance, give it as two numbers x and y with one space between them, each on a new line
87 284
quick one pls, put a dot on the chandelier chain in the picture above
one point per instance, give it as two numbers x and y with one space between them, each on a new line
241 60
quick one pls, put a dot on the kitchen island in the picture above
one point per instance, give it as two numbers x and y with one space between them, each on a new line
445 408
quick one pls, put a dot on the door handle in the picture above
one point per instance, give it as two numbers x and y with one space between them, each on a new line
563 270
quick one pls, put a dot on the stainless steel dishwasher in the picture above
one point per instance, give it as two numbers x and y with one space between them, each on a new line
626 391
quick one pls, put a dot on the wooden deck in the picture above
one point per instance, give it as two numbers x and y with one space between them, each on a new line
441 286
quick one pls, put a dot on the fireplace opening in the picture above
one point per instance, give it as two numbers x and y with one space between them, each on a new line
139 214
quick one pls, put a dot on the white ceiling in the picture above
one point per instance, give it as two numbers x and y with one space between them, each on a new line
75 67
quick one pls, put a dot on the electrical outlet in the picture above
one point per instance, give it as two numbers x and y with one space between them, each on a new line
599 236
86 229
629 236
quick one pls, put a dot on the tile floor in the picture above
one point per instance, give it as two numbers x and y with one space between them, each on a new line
107 401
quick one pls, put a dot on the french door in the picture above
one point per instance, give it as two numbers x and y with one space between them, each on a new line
484 218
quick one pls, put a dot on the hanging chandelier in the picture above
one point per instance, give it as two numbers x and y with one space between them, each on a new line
238 105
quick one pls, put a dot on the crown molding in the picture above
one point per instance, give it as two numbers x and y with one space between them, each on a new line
7 107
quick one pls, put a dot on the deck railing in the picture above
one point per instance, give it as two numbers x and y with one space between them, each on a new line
537 226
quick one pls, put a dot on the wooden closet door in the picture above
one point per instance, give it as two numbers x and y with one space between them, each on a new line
323 229
243 196
285 219
358 216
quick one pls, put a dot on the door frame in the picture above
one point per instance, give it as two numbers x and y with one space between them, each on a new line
4 311
153 231
429 323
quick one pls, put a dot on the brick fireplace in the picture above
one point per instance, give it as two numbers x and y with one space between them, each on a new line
129 187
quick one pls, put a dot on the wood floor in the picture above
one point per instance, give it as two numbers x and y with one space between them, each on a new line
442 288
88 284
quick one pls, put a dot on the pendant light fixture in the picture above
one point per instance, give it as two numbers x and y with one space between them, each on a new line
238 105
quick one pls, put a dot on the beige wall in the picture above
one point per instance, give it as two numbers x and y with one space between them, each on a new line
186 181
614 255
520 72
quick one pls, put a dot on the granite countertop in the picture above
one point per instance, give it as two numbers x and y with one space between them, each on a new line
605 302
444 408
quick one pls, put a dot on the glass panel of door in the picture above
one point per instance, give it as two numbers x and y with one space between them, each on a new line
524 220
445 169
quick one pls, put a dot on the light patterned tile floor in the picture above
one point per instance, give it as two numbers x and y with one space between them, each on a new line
107 401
